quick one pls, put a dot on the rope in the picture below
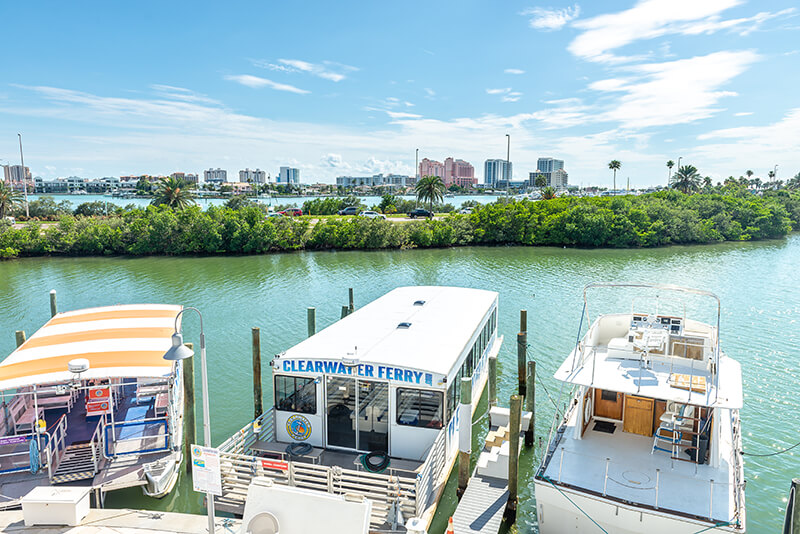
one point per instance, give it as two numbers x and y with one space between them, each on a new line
722 524
547 479
772 453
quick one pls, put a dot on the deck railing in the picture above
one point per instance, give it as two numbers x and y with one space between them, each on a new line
430 472
56 445
151 436
16 461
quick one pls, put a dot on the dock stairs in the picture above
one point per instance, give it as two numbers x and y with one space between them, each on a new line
481 507
77 464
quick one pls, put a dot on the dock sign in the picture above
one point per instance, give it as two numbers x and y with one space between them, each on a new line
206 477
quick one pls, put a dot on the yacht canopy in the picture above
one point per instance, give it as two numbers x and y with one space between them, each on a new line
118 341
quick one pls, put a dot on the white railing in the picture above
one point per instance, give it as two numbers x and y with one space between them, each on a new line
430 472
56 446
147 441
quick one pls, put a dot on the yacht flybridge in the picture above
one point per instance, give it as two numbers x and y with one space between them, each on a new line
651 439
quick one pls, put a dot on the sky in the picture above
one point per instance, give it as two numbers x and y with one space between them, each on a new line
354 88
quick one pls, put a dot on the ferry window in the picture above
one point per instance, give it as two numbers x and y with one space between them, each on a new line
294 394
419 407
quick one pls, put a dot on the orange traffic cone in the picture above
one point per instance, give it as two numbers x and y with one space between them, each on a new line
450 529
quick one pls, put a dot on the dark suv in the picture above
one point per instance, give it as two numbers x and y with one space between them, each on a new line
351 210
420 212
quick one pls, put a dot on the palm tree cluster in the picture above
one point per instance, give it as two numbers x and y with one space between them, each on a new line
9 199
173 192
430 189
686 179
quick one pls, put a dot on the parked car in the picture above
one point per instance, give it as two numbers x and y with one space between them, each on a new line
271 215
420 212
372 215
350 210
465 210
292 212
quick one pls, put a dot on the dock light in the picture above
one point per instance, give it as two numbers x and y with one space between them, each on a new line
177 352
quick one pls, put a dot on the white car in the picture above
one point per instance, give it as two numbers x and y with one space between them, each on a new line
372 215
465 210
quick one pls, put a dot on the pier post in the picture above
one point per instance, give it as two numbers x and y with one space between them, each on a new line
523 321
464 435
522 345
352 307
492 381
510 514
258 408
53 303
345 311
530 402
20 334
792 521
189 434
312 321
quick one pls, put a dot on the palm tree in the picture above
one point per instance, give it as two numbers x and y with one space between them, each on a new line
771 175
548 193
686 179
670 164
9 199
430 189
749 173
794 183
707 183
614 165
174 192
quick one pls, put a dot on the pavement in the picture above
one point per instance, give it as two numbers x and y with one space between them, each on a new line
123 521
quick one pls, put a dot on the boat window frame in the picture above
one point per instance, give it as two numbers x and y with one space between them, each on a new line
419 391
311 380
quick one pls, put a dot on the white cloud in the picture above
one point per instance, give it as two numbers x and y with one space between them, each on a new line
334 160
743 114
514 71
507 94
328 70
402 115
497 91
181 93
257 82
430 92
550 19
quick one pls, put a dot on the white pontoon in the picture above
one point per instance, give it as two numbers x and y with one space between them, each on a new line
90 398
651 439
368 405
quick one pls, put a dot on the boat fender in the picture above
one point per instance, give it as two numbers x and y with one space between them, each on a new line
375 461
298 449
587 410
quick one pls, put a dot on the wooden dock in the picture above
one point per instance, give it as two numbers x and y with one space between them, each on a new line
482 505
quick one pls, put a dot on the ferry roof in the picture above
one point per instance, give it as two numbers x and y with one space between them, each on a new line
438 333
118 341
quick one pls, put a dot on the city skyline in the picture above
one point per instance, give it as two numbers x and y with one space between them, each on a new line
711 83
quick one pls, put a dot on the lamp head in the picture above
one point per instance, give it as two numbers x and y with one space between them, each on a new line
178 351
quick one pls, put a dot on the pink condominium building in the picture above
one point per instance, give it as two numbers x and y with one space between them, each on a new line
452 171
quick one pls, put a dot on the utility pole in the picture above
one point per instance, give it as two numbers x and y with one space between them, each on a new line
24 176
416 168
508 162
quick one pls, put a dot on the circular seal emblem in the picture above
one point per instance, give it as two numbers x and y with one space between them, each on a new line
298 427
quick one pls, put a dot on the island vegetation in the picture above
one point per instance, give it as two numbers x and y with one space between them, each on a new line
691 212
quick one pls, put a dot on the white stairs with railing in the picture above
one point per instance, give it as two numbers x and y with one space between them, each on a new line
77 463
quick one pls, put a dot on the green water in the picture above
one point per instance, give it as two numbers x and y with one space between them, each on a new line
757 283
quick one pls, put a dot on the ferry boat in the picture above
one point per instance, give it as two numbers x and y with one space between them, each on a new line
368 406
651 439
89 398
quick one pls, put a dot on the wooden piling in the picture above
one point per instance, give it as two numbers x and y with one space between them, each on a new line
464 435
530 402
792 520
20 334
510 515
53 303
258 407
492 381
189 435
352 307
523 321
522 345
311 313
345 311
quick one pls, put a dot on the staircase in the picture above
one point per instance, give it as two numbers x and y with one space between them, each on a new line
76 464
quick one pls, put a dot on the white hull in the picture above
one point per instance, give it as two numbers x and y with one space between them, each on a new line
557 515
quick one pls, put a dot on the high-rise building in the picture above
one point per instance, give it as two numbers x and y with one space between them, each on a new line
557 178
496 171
215 175
253 176
289 175
549 164
452 171
192 178
13 173
388 180
429 167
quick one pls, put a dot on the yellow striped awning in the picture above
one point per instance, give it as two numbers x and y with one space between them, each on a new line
119 341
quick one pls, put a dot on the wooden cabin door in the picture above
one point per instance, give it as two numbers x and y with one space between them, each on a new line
638 415
608 404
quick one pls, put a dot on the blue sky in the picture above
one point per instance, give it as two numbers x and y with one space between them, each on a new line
353 88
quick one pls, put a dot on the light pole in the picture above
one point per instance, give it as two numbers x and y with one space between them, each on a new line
508 161
24 176
416 168
775 172
679 162
179 351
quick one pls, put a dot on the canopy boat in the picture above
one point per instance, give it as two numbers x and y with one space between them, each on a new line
651 440
89 397
368 406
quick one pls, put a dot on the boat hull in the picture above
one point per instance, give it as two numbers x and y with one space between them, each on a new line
557 515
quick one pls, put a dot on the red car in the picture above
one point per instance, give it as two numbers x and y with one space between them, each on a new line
292 212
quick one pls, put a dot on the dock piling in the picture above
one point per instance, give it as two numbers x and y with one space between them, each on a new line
464 435
258 408
523 321
20 334
53 303
492 381
190 436
312 320
792 520
352 307
522 343
510 515
530 402
345 311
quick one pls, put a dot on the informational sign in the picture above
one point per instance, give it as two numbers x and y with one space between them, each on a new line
13 440
206 477
332 367
275 464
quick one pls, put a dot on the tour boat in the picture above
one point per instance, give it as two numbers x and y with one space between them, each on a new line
89 398
368 406
651 439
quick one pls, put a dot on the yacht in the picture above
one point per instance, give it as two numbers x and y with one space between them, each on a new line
650 440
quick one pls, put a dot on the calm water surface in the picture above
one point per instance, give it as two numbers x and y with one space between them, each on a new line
757 282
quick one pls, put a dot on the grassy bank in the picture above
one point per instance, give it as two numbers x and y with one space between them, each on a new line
623 222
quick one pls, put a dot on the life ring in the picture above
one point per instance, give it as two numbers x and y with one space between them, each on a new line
587 410
298 449
375 461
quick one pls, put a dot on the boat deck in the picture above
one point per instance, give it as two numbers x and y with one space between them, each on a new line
701 491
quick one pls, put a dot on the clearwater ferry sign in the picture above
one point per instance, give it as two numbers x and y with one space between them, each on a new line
365 370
